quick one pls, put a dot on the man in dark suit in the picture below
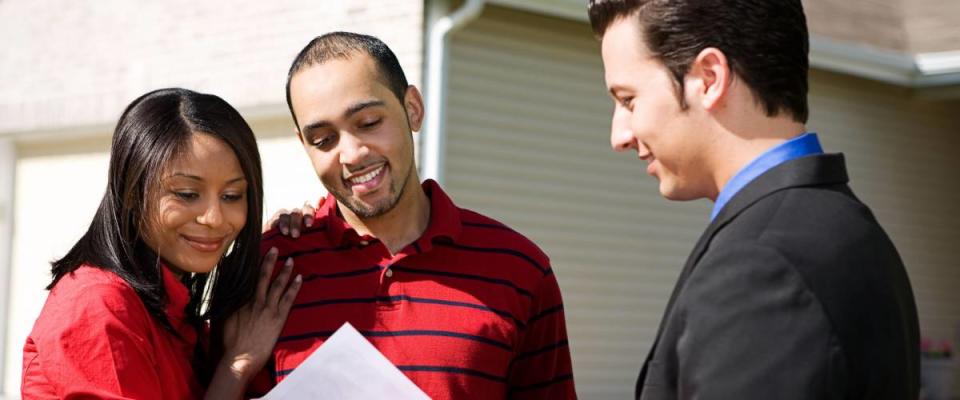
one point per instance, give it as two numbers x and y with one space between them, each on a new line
794 291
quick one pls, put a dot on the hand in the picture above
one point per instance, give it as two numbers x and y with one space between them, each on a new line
289 222
250 333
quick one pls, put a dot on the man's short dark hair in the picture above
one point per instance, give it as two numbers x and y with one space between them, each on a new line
765 42
343 45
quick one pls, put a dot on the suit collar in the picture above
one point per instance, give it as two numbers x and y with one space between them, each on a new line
822 169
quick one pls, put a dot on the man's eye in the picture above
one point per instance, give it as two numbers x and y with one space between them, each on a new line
371 123
182 195
320 143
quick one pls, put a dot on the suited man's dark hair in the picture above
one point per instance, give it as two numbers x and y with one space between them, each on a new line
155 129
344 45
766 42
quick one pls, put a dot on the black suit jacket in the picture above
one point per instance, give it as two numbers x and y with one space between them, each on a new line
794 291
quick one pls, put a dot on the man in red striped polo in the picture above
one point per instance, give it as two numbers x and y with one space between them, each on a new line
463 305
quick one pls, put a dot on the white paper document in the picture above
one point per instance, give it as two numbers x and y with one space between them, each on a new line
346 367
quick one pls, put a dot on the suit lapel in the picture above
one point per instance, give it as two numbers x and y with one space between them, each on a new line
811 170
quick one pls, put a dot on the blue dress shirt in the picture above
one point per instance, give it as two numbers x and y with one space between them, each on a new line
803 145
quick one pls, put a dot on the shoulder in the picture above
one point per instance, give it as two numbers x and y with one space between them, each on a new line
810 226
89 282
312 237
824 209
89 296
482 230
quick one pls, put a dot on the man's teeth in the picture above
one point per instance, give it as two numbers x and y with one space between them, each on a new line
366 177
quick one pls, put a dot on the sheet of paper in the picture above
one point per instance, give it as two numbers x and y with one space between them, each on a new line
346 367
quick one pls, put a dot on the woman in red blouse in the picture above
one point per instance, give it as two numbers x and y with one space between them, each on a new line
172 248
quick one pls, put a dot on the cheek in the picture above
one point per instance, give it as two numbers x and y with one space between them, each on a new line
324 164
163 223
237 215
170 217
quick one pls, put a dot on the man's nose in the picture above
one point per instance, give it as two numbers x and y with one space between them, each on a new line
621 136
353 151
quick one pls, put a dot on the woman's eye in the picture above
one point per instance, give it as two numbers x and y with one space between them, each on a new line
627 103
186 195
232 197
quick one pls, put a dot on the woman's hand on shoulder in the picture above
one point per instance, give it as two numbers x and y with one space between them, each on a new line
292 222
250 333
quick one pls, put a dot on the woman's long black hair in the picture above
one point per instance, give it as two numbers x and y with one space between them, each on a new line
154 130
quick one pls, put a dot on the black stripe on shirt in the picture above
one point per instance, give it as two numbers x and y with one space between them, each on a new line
544 349
417 332
364 300
491 226
434 368
451 370
497 250
345 274
315 250
541 385
544 313
496 281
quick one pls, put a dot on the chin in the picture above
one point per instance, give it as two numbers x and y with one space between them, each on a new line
672 192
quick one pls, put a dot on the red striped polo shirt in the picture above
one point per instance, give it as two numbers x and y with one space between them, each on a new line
471 309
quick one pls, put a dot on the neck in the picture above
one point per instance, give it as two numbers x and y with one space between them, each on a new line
400 226
748 139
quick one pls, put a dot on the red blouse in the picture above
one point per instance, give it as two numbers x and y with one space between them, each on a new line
95 338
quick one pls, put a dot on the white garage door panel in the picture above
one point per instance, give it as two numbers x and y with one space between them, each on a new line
528 128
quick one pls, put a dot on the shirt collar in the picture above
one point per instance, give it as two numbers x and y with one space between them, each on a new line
803 145
444 219
178 296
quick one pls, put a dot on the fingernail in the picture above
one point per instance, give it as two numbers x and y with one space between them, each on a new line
295 233
284 230
289 262
309 222
298 279
273 251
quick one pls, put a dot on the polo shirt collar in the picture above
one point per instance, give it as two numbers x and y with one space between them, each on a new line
178 296
444 220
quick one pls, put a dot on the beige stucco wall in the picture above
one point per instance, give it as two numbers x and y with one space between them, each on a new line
68 63
907 26
67 70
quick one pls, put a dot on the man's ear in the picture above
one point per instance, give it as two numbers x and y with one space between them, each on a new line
712 76
413 103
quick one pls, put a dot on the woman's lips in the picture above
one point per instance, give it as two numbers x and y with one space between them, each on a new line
204 244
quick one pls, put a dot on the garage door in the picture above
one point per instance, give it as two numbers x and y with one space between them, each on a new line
528 128
527 144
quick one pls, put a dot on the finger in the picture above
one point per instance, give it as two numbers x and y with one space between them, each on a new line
296 220
280 283
272 222
266 270
286 302
283 224
308 212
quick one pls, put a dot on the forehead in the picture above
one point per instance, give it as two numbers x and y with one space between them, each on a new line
624 51
204 148
335 85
